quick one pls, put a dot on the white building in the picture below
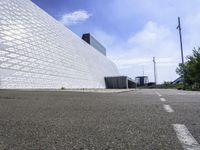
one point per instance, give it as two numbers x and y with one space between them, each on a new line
36 51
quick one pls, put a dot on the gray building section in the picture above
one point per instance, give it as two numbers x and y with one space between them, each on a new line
94 43
119 82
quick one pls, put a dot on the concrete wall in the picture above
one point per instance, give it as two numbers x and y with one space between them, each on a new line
36 51
120 82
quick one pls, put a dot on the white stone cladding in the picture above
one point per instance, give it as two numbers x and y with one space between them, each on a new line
36 51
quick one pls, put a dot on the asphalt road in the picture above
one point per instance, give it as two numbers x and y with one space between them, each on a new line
141 119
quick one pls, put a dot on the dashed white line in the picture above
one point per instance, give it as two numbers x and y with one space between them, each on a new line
186 139
181 93
163 99
168 108
158 94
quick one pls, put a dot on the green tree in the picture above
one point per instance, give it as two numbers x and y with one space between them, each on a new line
191 69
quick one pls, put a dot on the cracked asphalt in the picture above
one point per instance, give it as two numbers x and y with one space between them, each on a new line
60 120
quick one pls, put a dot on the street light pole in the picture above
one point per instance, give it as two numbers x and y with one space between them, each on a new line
181 44
155 76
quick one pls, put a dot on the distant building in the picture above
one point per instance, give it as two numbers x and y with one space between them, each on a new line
142 80
94 43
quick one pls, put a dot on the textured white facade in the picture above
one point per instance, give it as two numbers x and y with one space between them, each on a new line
36 51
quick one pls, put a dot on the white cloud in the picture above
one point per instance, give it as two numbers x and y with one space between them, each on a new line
136 53
191 32
75 17
150 35
154 39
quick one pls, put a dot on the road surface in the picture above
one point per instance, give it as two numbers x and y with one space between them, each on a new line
141 119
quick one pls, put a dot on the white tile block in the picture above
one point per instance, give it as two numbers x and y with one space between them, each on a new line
36 51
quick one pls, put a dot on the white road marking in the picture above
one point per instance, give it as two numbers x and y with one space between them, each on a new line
189 93
163 99
182 94
187 140
168 108
158 94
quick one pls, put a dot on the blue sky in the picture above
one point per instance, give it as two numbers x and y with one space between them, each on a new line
134 31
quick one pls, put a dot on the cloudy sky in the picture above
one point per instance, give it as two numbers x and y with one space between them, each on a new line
134 31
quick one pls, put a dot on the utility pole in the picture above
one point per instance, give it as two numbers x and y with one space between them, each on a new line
155 76
143 69
181 44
